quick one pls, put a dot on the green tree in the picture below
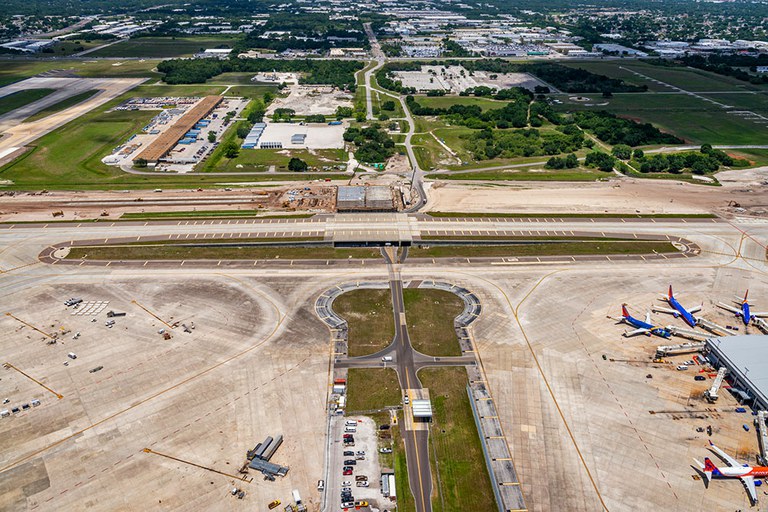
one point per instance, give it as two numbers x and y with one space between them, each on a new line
622 151
388 105
231 150
140 163
639 154
211 136
297 165
602 161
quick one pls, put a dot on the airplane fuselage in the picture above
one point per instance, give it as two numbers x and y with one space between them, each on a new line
687 317
657 331
738 472
746 316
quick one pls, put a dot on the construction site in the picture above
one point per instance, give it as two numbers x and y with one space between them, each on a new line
307 100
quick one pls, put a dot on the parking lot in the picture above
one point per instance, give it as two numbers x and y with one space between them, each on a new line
183 157
365 455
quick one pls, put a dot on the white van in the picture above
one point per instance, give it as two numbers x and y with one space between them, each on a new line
350 423
682 367
350 430
386 359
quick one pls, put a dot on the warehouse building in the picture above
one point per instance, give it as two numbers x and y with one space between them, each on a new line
168 139
746 358
365 199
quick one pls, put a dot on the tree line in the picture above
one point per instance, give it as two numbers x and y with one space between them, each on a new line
340 73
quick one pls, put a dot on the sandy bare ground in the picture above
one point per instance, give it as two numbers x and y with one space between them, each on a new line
746 187
16 134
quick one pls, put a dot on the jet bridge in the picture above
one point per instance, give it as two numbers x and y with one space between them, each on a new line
762 436
711 393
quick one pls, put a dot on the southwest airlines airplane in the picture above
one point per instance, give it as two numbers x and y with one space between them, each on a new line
677 309
743 310
643 327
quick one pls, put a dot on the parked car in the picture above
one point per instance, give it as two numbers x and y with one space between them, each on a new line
273 504
699 377
362 484
349 453
350 462
347 472
361 478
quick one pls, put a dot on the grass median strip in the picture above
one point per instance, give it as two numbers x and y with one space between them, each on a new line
208 214
369 316
61 105
431 314
462 479
18 99
543 249
245 252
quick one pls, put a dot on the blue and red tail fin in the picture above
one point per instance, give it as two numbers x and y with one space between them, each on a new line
670 292
624 311
745 295
709 466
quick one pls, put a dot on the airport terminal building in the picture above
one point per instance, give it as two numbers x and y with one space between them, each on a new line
746 357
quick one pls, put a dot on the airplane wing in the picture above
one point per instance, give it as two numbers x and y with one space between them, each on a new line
749 483
727 458
732 309
641 330
761 314
658 309
695 309
648 317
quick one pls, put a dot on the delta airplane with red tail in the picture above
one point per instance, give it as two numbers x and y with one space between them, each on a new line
735 469
677 309
743 310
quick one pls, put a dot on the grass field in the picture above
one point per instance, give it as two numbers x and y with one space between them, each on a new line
369 316
61 105
690 118
463 482
56 163
248 91
261 159
18 99
543 249
690 79
430 316
163 47
686 116
372 388
534 173
449 101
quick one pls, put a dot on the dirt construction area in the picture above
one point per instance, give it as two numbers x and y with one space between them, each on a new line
307 100
455 79
196 400
16 134
107 206
745 188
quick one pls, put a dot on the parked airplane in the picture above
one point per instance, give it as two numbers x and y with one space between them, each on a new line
744 311
735 469
643 327
678 309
